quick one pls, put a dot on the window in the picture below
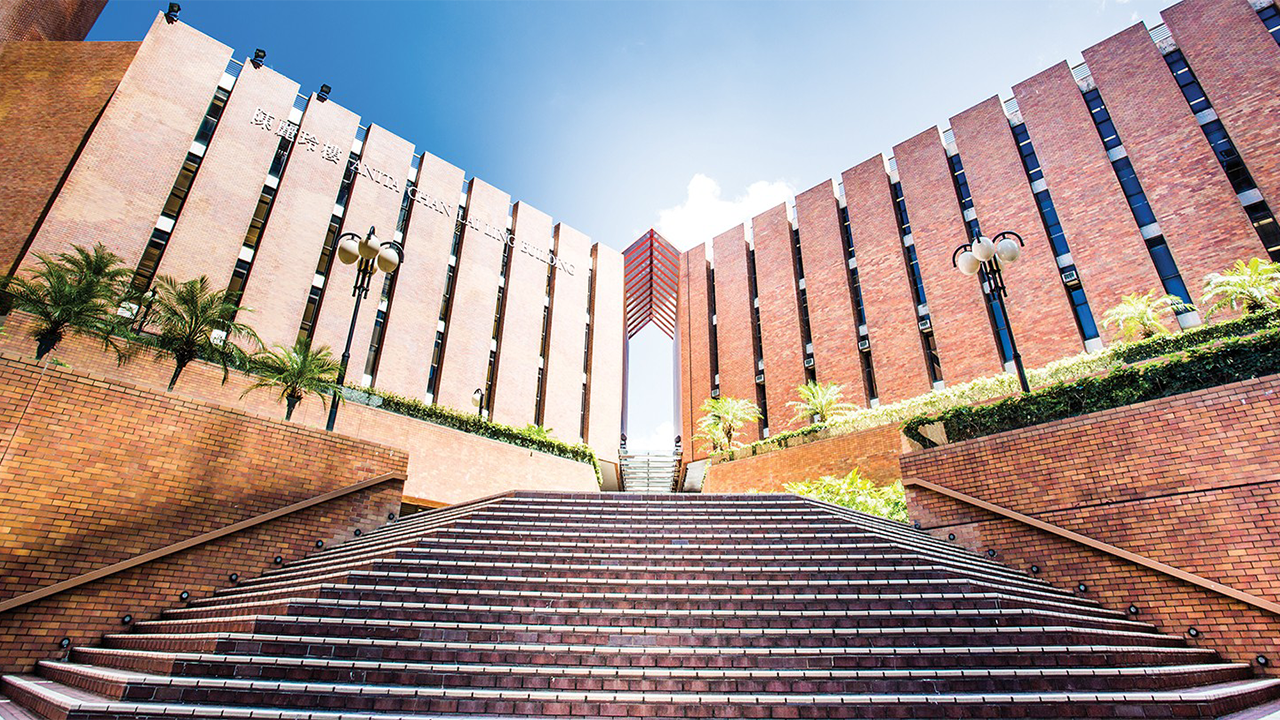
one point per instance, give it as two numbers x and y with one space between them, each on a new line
931 357
1191 89
913 269
1133 192
900 208
1270 16
1167 268
1029 160
1084 316
1102 119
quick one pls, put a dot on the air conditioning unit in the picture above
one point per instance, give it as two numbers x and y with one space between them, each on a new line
808 362
760 379
715 392
926 325
864 344
1071 278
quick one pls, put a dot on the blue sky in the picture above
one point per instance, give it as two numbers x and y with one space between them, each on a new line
617 116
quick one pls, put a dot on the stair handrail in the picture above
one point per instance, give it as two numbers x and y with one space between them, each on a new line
39 594
1156 565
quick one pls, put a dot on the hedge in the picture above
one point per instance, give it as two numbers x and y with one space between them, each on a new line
781 440
473 423
1231 360
1187 339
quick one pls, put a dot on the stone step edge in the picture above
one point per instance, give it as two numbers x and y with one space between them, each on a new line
1206 693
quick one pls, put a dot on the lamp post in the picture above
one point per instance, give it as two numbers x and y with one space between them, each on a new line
370 255
983 257
477 399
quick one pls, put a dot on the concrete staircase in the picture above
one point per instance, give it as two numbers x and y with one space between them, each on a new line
616 605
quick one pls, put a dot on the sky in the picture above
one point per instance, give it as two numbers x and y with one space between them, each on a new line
688 117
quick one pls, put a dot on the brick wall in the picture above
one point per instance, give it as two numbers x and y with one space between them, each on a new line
608 343
833 325
874 452
1105 244
1238 65
94 472
734 346
961 327
896 353
1191 480
445 465
1040 314
515 385
42 126
1205 226
695 345
781 344
48 19
562 410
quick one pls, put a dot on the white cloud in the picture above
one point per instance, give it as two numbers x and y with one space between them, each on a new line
705 214
659 440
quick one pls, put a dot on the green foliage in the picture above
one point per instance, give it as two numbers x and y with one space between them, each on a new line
296 372
774 442
195 321
1187 339
721 420
1143 316
537 431
1253 287
819 403
473 423
1202 367
856 493
76 292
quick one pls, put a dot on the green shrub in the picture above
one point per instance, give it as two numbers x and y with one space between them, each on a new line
856 493
1167 344
473 423
1201 367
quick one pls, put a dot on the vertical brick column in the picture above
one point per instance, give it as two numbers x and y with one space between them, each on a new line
608 343
410 331
1039 311
515 390
210 231
896 353
475 296
1238 65
695 344
1107 248
961 326
284 265
123 176
735 348
567 336
833 324
376 197
781 343
39 144
1199 215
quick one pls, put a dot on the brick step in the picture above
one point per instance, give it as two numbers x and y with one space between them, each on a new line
10 710
612 534
605 587
534 654
145 690
719 680
953 598
667 528
469 633
632 617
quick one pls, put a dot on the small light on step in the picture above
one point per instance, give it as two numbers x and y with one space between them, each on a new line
1133 609
65 643
951 537
184 596
277 559
126 619
319 543
1082 587
1193 632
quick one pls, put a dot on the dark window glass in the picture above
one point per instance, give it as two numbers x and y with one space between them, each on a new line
1101 118
1225 150
1029 160
1167 269
211 116
932 360
1084 316
181 186
900 207
1271 18
961 182
1133 192
1191 89
1003 342
913 268
869 376
1265 224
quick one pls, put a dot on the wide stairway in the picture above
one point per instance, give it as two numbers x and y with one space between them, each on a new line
614 605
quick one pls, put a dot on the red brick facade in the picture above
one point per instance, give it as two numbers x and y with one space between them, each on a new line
515 389
873 453
781 343
43 127
97 473
222 194
693 341
966 344
1039 311
1238 65
833 325
1205 226
48 19
1106 246
896 352
604 413
562 398
735 347
1191 480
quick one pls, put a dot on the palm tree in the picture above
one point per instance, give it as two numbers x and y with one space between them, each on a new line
722 419
1253 286
78 293
538 432
297 371
1138 317
195 321
819 402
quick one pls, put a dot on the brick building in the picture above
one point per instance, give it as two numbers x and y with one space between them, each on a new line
1147 167
185 162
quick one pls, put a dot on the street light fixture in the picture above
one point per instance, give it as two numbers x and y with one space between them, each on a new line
477 399
369 254
984 257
